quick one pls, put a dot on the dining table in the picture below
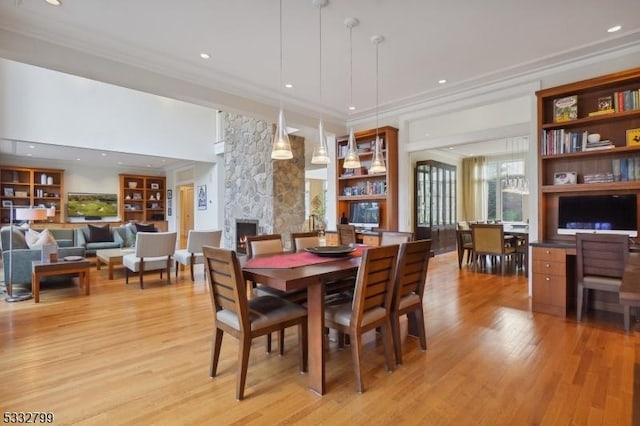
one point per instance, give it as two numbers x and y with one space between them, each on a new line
294 271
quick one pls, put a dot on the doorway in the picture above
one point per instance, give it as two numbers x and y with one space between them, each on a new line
185 213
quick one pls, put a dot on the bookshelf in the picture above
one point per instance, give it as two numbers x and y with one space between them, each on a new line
600 168
358 185
25 187
142 198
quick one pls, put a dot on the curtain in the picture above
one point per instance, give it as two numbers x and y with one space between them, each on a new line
474 189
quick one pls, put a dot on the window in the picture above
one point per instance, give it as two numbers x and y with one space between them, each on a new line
504 205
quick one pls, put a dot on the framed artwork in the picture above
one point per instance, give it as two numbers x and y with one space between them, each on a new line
202 197
169 194
8 192
168 211
633 137
155 186
7 203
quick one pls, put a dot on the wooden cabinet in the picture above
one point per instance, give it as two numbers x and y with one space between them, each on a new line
355 185
142 198
25 187
435 204
549 286
561 150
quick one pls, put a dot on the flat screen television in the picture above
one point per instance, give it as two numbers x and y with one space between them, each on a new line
611 214
92 206
364 214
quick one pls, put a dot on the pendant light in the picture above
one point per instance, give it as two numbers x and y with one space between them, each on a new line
377 164
281 149
321 151
351 159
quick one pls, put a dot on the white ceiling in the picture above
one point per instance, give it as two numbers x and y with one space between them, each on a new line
468 43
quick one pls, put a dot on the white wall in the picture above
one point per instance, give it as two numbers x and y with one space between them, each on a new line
41 105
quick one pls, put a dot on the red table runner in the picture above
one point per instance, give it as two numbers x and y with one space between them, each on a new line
294 260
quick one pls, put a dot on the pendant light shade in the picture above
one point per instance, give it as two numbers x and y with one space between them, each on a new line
281 149
321 151
351 159
377 163
281 146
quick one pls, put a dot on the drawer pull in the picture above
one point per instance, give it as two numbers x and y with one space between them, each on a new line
547 279
547 252
547 265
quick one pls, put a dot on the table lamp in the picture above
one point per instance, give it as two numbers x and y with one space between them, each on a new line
30 214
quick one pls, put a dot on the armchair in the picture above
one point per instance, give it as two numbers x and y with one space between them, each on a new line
153 252
193 253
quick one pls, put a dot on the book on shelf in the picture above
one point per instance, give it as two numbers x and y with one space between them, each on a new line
626 100
598 178
605 103
602 112
565 109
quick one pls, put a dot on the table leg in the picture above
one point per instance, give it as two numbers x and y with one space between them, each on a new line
315 308
111 265
35 287
86 282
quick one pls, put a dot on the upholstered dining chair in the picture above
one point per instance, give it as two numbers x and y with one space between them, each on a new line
488 240
303 240
600 260
264 244
246 319
371 305
346 234
394 237
193 253
153 252
409 282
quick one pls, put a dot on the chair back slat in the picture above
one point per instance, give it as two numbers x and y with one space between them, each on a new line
374 283
226 283
411 273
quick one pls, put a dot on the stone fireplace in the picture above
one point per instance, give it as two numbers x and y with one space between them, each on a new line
257 188
244 228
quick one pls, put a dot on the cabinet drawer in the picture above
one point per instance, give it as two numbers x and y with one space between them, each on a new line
549 294
549 268
549 254
371 240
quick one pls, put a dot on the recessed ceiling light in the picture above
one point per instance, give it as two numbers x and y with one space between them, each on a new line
204 55
54 2
289 86
427 134
77 159
119 162
352 108
148 165
29 155
451 147
32 146
443 81
104 154
614 29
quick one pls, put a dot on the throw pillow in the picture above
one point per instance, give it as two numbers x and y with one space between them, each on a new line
100 234
35 239
141 227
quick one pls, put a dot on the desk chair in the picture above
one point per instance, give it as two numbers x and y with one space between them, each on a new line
346 234
600 259
371 305
409 281
246 319
153 252
193 253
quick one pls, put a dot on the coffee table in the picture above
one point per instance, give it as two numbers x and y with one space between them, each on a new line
111 258
41 269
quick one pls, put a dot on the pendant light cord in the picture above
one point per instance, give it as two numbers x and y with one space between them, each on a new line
377 90
350 67
320 61
281 55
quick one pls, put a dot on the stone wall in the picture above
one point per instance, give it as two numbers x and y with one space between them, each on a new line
257 187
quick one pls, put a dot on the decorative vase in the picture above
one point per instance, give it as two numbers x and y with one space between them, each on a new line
133 184
43 179
157 195
49 180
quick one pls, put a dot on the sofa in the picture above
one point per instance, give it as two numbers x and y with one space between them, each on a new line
94 238
22 255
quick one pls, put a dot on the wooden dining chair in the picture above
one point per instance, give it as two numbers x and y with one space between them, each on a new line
346 234
246 319
600 261
303 240
394 237
409 282
488 240
464 243
371 305
259 245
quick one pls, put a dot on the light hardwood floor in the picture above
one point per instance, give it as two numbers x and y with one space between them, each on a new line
128 356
